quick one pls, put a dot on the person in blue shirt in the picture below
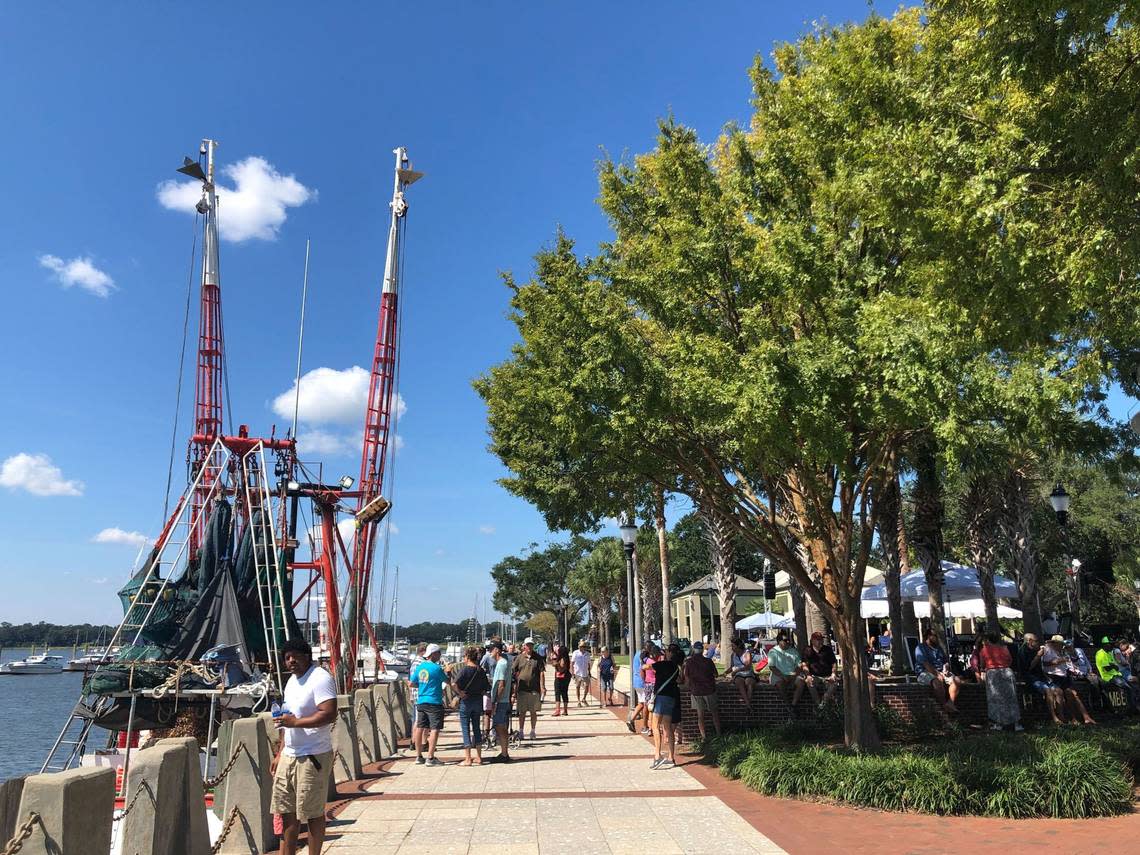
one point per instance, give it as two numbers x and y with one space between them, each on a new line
933 670
501 699
428 678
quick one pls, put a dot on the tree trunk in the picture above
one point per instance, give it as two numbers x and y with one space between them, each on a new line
928 513
890 522
799 609
721 550
1016 519
980 510
859 728
666 611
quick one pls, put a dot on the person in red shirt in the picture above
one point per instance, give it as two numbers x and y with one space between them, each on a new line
995 667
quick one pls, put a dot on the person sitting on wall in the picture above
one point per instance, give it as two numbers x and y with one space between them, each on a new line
740 670
1110 674
820 661
1060 668
1032 672
1083 670
933 669
786 667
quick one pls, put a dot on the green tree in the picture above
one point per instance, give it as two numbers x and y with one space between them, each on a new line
537 580
544 624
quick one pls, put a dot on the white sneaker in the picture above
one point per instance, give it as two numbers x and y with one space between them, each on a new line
656 764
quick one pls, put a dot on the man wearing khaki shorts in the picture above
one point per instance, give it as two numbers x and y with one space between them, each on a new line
304 758
530 685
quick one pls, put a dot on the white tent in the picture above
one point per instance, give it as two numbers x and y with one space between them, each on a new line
960 583
873 609
764 620
966 609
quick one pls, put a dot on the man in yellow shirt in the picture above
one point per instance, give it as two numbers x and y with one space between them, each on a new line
1111 675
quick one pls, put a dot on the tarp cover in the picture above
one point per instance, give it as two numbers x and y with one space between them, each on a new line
214 620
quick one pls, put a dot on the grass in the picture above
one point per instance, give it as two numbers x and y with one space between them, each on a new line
1059 773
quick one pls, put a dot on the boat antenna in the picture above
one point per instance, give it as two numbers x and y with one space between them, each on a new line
300 341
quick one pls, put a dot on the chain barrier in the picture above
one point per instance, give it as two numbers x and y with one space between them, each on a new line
230 820
145 785
210 783
22 833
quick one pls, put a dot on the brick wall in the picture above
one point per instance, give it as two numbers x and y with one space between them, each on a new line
912 701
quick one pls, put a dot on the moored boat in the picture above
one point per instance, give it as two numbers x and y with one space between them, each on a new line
44 663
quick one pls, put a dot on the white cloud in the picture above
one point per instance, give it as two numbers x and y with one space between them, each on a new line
36 474
440 552
486 529
399 441
81 272
254 207
117 535
323 443
395 528
102 580
330 396
347 528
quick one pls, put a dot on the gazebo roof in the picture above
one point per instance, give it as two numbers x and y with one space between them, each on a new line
708 584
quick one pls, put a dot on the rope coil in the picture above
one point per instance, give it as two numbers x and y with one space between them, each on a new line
22 834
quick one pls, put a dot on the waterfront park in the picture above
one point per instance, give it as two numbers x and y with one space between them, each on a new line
828 425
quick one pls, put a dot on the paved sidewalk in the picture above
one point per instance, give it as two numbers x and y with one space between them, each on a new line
582 787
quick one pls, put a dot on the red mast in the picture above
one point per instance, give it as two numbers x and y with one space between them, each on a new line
378 409
211 349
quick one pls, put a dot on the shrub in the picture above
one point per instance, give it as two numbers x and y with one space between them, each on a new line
1066 774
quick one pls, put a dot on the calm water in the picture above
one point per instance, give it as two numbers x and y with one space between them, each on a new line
33 708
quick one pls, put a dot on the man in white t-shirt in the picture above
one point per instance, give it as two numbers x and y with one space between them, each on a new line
580 668
304 758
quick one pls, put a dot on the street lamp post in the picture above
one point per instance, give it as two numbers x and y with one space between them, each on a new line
1060 499
628 540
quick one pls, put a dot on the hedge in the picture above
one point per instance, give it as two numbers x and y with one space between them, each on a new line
1063 773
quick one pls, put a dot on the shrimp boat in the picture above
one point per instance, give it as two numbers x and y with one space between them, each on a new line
43 663
205 615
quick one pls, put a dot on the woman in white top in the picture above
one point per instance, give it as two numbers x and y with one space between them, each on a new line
743 675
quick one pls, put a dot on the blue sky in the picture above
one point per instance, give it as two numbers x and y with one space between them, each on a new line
506 107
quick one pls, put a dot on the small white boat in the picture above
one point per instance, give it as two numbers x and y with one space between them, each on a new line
90 661
45 663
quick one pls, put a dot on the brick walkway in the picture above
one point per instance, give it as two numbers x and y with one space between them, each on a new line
584 786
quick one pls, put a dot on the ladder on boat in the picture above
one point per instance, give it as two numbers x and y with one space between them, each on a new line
263 537
71 743
170 554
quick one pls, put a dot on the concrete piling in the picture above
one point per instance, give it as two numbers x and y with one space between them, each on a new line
404 709
346 750
364 709
154 797
75 809
387 710
225 737
248 789
191 798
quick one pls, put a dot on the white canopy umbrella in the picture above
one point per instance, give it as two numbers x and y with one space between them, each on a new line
763 620
966 609
960 583
874 609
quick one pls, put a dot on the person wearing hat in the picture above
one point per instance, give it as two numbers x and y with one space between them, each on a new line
428 678
580 667
1060 670
1110 674
820 661
607 670
530 685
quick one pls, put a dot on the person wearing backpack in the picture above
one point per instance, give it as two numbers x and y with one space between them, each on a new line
472 685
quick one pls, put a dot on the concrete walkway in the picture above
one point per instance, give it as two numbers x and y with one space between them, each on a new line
583 786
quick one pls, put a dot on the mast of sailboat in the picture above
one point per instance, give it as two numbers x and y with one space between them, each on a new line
395 603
